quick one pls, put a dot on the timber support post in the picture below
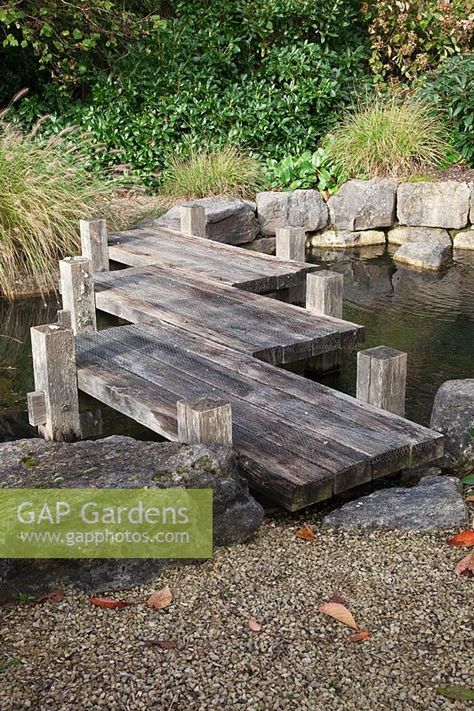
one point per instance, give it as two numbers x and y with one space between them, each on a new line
94 244
291 243
324 291
381 378
77 290
193 220
54 406
206 420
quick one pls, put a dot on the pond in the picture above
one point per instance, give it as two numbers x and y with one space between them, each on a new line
428 315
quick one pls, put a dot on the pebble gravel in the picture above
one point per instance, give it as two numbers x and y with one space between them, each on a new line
400 586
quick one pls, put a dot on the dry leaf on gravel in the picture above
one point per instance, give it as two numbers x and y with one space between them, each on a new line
465 566
159 600
339 599
109 603
339 612
305 533
52 596
359 636
254 625
470 499
465 539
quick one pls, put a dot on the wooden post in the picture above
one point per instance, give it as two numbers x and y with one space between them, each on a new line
94 244
193 220
381 378
77 289
55 400
206 420
324 291
291 243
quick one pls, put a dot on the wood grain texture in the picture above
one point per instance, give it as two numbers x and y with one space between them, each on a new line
193 220
77 290
291 243
381 378
94 243
297 441
204 421
54 365
324 290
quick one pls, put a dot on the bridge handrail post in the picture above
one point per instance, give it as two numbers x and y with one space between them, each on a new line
206 420
324 292
94 244
291 243
381 378
193 220
77 290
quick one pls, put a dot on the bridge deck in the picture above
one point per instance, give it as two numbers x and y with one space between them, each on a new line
250 271
298 441
270 330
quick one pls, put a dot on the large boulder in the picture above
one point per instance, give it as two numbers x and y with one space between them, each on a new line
431 204
464 239
453 415
436 502
363 205
122 463
299 208
402 235
423 255
228 220
341 239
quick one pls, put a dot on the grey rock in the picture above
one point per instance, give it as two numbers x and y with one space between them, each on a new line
300 208
464 239
364 205
436 502
228 220
414 474
341 239
265 245
402 235
432 204
453 415
423 255
121 462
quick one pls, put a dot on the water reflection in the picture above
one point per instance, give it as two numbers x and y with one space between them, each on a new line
430 315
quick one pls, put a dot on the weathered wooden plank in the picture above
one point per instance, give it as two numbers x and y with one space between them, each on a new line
193 220
77 291
204 421
324 293
94 243
291 243
381 378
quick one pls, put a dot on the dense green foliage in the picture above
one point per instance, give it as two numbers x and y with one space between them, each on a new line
270 76
451 88
389 137
409 37
303 172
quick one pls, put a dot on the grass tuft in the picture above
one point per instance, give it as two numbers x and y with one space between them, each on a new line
45 188
210 173
389 137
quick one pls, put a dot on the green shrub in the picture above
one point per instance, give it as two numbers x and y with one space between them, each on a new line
389 137
409 37
450 88
304 172
45 188
270 76
205 173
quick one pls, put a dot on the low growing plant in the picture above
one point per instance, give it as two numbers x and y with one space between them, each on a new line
45 188
308 170
204 173
389 137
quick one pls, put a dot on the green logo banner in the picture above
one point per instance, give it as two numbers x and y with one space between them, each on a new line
105 523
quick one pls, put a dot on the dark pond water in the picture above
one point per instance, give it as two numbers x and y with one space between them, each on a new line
428 315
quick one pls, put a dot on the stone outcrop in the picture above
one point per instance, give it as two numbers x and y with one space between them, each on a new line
122 463
341 239
453 415
402 235
299 208
423 255
228 220
436 502
434 204
464 239
363 205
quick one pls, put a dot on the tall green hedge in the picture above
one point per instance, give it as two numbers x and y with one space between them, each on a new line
268 75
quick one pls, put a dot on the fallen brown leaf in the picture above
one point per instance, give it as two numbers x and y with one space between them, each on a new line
465 566
339 599
339 612
254 625
159 600
305 533
52 596
465 539
359 636
470 499
109 603
162 643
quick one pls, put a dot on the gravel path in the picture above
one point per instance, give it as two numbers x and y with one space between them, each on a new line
401 586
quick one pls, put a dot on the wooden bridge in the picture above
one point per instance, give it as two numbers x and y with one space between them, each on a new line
197 360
